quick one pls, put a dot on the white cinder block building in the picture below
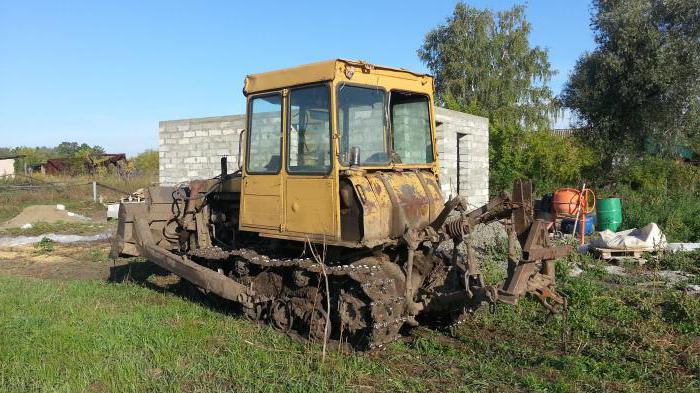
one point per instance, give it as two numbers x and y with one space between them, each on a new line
192 149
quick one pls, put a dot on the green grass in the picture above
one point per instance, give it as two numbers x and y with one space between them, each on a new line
76 336
61 227
94 336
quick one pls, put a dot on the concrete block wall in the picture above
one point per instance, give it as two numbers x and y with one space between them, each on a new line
411 141
192 149
265 156
472 157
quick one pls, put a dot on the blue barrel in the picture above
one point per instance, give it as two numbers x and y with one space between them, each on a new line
567 224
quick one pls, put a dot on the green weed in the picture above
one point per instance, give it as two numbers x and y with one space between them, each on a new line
45 246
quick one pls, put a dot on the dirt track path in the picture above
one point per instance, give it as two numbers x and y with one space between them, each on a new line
75 261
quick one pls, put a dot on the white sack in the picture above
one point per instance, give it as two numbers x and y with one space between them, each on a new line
648 237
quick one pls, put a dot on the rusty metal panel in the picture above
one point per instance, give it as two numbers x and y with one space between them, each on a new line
375 208
414 200
396 201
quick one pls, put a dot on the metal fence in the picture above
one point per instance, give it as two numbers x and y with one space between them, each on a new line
21 182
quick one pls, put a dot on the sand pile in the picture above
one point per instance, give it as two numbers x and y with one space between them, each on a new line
42 213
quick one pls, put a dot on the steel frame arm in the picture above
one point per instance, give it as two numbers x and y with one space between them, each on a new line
203 277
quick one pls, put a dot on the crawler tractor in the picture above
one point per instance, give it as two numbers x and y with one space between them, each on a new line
333 224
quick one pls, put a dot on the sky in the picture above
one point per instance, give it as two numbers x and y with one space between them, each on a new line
105 72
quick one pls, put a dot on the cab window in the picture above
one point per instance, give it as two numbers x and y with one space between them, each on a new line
264 135
361 125
309 130
410 123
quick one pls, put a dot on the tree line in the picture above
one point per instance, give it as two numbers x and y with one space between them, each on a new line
636 94
80 159
634 99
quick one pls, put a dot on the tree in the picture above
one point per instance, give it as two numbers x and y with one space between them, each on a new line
146 163
639 90
483 64
79 157
32 156
67 149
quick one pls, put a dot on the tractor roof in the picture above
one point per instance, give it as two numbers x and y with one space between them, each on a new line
317 72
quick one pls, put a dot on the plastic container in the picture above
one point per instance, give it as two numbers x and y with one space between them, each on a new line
566 201
567 224
609 214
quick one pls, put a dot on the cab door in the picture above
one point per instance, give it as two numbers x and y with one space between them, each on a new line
310 193
261 199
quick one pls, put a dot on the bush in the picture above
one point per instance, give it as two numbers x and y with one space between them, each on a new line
551 161
652 189
146 163
662 191
45 246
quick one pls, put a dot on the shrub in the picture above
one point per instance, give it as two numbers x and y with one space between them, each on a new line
45 245
551 161
146 163
662 191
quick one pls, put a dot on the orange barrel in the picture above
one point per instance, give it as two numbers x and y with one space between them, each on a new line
566 201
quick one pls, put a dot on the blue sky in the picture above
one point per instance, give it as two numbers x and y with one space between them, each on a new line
105 72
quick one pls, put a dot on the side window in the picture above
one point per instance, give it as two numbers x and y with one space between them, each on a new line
264 133
361 120
309 149
410 122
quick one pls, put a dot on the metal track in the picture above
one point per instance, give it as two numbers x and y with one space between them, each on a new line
367 307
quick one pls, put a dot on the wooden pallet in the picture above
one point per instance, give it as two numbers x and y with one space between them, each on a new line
609 253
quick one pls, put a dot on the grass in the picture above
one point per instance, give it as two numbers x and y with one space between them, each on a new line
76 336
60 227
95 336
688 261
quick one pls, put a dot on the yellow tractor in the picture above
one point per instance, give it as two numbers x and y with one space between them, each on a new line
331 224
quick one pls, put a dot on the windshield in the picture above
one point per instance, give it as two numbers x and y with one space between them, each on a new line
410 123
364 136
361 124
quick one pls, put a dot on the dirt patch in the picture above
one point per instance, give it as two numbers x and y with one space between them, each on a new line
88 261
82 261
42 213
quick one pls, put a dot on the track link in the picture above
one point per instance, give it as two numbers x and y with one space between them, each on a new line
366 296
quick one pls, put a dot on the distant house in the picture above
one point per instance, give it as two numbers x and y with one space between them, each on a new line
7 166
64 166
563 131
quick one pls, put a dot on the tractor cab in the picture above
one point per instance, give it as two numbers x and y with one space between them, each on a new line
339 151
